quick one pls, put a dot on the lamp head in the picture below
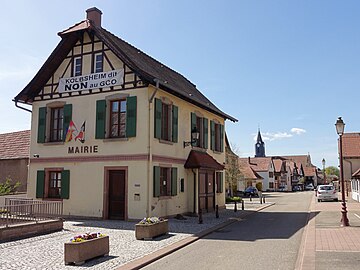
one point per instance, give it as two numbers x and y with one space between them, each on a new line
340 126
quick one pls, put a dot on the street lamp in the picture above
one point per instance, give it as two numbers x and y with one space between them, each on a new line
323 163
340 125
194 137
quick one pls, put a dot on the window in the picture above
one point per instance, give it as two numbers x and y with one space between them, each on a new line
53 183
166 121
53 122
118 118
271 185
77 66
217 136
98 63
271 174
201 125
165 181
56 124
219 182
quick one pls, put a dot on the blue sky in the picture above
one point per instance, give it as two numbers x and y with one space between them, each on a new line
288 67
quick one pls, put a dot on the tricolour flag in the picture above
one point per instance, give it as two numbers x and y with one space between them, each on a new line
81 134
69 132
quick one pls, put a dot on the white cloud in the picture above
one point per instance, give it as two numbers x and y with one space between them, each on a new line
268 136
298 131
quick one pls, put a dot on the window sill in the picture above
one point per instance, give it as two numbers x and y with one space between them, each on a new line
115 140
165 197
53 199
53 143
217 152
165 142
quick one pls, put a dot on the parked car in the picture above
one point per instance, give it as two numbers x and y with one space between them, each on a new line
296 188
309 187
253 191
326 193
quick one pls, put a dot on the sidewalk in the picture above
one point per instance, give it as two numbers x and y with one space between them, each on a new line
46 251
327 245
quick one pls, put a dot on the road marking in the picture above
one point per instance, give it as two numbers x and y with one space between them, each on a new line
357 216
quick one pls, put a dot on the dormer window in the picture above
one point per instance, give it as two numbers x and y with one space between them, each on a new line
98 62
77 66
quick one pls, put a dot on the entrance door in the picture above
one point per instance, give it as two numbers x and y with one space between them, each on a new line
207 190
117 194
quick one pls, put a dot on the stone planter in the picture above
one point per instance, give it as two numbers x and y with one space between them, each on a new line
144 231
79 252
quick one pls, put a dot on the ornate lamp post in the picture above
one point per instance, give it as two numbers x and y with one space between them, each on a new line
323 163
340 125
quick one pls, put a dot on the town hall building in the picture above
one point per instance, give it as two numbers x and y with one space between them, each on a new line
115 134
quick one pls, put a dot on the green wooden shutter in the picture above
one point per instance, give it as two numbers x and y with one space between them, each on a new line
131 117
156 181
206 132
193 122
173 181
221 182
41 136
174 123
221 138
65 184
100 119
40 184
157 120
67 118
212 135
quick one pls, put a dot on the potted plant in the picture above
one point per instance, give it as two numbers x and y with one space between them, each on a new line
84 247
151 227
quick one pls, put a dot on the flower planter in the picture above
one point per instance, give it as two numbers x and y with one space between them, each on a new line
144 231
79 252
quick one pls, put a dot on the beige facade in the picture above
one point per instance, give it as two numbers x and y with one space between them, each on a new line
90 163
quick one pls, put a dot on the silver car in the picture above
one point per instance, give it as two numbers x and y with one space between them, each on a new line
326 192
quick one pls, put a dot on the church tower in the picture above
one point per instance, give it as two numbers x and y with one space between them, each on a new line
259 146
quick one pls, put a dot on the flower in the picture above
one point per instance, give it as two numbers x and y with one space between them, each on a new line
86 236
150 220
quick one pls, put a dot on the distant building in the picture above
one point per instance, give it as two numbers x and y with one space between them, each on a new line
14 157
249 177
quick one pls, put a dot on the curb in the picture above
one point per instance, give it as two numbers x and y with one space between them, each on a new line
150 258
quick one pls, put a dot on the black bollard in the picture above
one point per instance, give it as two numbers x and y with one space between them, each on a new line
200 217
264 198
250 198
235 207
216 211
242 205
260 197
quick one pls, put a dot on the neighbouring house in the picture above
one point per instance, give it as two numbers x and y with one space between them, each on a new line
248 177
282 177
119 135
264 167
351 163
14 157
305 168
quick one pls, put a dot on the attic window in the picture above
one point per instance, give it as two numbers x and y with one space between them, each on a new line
98 63
77 66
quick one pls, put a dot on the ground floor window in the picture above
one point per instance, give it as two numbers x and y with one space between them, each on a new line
271 185
165 181
219 182
53 183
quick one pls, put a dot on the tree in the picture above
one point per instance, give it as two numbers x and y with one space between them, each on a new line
332 170
7 187
232 171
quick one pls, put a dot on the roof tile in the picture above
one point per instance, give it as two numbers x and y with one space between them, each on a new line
15 145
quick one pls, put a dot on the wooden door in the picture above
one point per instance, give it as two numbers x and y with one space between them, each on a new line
117 194
207 190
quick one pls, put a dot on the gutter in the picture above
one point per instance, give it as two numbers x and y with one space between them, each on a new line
25 109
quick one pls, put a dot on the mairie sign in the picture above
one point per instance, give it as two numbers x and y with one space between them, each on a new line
91 81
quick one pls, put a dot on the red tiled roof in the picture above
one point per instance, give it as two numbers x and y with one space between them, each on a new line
259 164
309 171
197 159
15 145
247 172
351 145
278 164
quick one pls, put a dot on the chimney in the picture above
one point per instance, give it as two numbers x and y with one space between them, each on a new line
94 15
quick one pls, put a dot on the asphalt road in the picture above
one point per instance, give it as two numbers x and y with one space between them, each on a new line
269 239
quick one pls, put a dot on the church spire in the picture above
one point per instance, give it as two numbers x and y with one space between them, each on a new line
259 146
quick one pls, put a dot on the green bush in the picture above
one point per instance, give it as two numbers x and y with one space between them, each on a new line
259 186
7 187
233 199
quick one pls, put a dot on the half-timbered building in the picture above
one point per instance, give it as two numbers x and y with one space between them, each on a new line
111 131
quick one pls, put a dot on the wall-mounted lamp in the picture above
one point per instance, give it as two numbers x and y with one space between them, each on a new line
194 137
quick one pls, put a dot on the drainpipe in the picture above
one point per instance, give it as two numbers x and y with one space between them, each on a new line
16 105
150 170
